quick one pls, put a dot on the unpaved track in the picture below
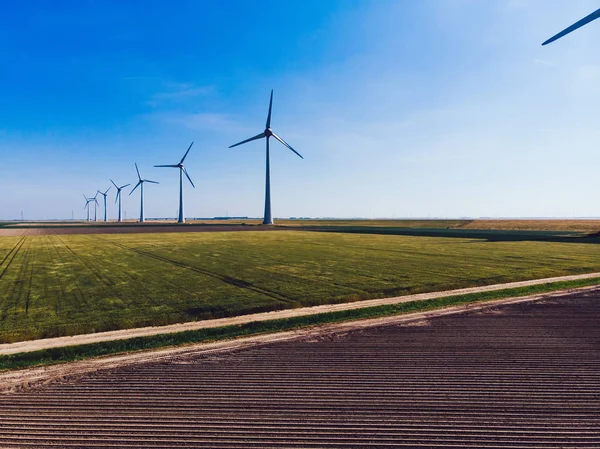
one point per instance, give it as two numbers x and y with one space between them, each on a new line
32 377
35 345
521 374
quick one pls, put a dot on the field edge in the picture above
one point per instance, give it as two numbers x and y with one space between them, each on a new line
66 354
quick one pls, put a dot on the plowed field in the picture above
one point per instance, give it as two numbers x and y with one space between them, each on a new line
521 375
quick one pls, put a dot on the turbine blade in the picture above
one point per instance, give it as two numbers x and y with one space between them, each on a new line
286 144
117 195
153 182
188 177
579 24
270 108
84 197
137 170
122 187
171 166
107 190
258 136
186 153
136 186
113 183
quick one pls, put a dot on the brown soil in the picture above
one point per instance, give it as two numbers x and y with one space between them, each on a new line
508 374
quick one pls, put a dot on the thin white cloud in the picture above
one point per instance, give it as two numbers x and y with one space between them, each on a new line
177 92
202 121
543 62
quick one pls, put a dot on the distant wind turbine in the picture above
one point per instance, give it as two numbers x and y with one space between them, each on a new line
118 197
268 132
141 184
182 170
579 24
87 205
95 206
104 195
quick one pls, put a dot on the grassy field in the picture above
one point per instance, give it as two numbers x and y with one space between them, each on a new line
68 284
79 352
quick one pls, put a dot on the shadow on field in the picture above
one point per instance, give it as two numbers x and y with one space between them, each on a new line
484 234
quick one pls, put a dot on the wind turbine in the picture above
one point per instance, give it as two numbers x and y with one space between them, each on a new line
141 184
87 206
104 195
95 206
118 197
268 132
579 24
182 170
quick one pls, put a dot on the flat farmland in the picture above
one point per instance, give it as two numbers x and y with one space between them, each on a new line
509 376
54 285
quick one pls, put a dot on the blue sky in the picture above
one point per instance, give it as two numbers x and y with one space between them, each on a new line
406 108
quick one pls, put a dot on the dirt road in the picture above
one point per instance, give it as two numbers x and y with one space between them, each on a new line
27 378
34 345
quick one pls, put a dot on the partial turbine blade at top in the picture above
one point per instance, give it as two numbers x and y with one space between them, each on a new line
114 184
270 108
286 144
186 153
107 190
137 170
136 186
579 24
170 166
259 136
188 177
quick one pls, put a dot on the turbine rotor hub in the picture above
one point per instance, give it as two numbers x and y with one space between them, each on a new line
268 132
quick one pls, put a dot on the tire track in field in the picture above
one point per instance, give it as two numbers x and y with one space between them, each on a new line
17 286
69 268
89 267
235 282
11 254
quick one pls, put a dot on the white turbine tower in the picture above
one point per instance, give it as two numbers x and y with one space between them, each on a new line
95 206
104 195
268 132
141 184
87 205
182 170
118 197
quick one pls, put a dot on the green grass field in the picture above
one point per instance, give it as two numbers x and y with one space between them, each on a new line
68 284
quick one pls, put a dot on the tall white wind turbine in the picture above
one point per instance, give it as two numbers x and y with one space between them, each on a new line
104 195
87 205
118 197
182 171
267 133
95 199
141 185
